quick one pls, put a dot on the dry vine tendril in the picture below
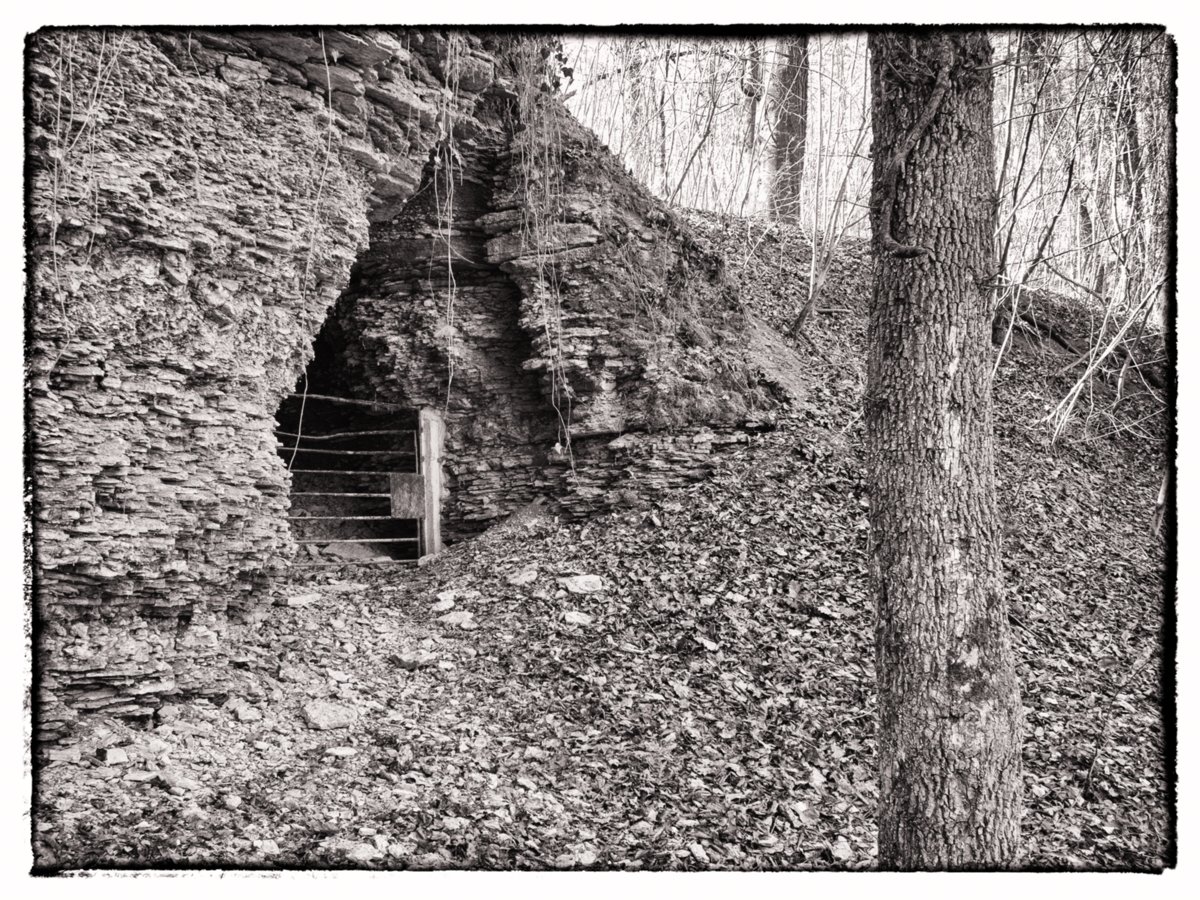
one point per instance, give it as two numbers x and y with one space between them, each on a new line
894 166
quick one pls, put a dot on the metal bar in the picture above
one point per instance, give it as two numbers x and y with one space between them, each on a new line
340 472
336 494
429 464
340 518
358 541
350 401
332 435
344 452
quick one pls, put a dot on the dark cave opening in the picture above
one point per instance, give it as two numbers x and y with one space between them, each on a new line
354 463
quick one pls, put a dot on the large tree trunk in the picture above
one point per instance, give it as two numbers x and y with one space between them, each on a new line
949 706
789 109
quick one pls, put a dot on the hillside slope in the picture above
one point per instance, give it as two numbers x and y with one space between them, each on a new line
711 705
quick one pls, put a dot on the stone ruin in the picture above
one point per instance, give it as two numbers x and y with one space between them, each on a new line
221 219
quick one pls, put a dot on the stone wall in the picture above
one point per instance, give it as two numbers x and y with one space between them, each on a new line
581 343
199 200
196 203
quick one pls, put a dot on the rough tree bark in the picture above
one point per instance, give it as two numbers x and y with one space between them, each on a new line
949 705
789 109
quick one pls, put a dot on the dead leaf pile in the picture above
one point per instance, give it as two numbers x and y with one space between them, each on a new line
689 687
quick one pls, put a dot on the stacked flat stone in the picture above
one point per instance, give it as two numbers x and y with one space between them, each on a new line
198 200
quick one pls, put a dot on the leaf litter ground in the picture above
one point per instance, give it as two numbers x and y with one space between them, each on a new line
704 700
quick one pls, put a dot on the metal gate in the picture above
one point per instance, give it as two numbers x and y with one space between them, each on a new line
360 482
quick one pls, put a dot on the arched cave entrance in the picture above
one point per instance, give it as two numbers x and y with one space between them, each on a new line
365 473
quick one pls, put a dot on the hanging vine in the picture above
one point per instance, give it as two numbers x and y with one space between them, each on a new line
537 154
314 226
447 168
71 128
